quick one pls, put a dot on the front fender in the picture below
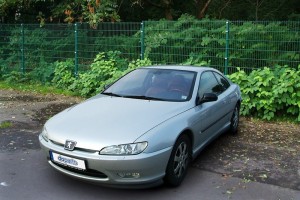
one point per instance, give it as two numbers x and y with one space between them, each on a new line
165 134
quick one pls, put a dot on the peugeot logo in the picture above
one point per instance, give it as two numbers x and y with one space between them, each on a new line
70 145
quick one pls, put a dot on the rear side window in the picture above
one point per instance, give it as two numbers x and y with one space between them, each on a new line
212 82
209 84
222 81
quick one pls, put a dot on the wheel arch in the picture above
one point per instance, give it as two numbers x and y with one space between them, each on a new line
172 178
190 135
238 103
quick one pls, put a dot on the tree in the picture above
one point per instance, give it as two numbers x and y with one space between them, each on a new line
254 9
165 5
202 7
68 11
173 9
96 11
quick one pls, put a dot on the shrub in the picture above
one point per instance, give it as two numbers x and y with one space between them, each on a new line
63 74
92 81
17 77
44 73
270 92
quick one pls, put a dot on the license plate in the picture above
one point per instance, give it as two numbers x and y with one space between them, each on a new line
67 161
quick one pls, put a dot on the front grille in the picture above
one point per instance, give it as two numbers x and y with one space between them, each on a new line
76 148
87 172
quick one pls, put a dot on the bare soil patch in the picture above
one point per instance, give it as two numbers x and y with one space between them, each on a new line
27 112
265 152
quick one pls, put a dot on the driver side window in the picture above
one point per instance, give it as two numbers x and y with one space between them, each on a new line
209 84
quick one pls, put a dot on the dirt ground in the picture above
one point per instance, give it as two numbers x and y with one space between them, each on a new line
265 152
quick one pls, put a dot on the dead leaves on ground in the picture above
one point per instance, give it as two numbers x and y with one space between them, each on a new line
263 151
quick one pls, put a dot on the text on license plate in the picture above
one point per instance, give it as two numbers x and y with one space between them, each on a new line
68 161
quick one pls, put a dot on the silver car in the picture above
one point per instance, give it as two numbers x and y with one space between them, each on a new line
144 129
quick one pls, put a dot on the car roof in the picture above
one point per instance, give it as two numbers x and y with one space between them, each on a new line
182 67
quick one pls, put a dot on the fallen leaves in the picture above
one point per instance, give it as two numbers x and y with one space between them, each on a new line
263 176
262 151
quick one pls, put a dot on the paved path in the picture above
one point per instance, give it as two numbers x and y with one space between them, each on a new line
25 175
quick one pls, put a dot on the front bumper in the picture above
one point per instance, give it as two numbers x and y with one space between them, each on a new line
107 170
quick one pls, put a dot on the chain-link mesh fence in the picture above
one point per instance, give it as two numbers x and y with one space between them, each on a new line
224 45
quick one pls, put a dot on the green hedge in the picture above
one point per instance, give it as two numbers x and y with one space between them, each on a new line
270 93
106 68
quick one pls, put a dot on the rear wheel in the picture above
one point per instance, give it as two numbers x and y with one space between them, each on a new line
235 120
179 161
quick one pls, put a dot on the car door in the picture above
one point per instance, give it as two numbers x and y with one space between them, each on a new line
227 95
209 118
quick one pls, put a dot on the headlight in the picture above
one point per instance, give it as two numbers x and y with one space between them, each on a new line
45 134
124 149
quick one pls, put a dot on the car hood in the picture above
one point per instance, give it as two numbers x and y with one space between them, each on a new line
103 120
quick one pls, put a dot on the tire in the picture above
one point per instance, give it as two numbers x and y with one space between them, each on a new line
234 123
179 161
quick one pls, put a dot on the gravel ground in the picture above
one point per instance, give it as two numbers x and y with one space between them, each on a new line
266 152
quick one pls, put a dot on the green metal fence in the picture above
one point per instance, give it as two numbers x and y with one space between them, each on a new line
221 44
194 43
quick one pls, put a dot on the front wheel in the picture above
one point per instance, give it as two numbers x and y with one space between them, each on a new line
235 120
179 161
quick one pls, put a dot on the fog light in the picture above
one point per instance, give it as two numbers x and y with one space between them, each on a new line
129 174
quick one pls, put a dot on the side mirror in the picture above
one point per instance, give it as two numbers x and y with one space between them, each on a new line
207 97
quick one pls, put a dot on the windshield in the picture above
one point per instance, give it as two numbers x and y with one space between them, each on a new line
154 84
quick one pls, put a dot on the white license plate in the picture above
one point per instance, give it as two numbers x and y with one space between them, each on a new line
68 161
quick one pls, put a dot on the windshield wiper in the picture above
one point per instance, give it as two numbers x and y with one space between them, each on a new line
111 94
144 97
133 96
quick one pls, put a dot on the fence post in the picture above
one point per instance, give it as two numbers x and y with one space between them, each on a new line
22 66
226 49
76 50
142 41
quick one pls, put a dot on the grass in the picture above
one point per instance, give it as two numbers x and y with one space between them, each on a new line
5 124
38 88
